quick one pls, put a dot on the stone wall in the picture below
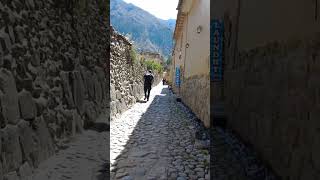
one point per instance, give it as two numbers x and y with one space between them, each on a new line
126 86
273 102
52 78
195 93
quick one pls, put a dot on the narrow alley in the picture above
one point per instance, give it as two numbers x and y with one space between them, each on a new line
163 139
156 140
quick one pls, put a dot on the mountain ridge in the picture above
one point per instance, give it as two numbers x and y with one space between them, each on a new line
148 32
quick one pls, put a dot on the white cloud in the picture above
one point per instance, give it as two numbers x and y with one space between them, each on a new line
163 9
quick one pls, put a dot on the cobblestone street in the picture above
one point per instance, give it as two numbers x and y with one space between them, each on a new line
85 157
156 140
159 139
232 160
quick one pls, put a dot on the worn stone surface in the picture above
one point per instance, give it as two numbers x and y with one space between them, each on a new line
30 143
25 171
27 105
9 99
1 172
44 49
84 157
272 102
78 91
67 88
11 176
234 160
155 140
11 152
45 140
195 93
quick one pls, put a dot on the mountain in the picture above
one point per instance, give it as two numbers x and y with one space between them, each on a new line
148 32
171 23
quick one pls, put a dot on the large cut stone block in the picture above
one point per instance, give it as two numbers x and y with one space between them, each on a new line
9 99
90 111
11 151
28 109
1 171
29 143
67 90
46 143
13 39
4 37
78 91
41 104
31 4
25 172
0 143
88 76
118 94
98 91
79 124
113 108
11 176
113 93
103 81
2 120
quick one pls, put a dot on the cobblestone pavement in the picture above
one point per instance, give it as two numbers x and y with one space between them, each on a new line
232 160
85 157
156 140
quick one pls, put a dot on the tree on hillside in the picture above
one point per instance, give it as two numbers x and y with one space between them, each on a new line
168 63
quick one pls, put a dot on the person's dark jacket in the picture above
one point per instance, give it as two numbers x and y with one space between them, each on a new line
148 79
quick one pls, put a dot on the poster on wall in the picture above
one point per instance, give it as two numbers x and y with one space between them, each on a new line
216 50
178 76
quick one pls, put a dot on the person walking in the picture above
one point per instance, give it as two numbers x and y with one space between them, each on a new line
148 80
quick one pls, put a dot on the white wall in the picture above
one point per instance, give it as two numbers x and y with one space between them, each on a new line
197 54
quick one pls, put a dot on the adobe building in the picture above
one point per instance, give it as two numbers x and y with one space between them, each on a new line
190 61
270 85
153 56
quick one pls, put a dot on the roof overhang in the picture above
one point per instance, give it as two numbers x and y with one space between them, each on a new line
184 7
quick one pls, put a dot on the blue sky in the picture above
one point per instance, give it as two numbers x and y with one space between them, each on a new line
163 9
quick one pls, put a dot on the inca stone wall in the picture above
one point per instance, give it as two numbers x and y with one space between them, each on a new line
273 102
52 78
195 94
126 75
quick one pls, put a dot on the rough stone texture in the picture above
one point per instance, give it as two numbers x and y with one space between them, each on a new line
54 58
157 140
27 105
195 93
84 157
9 99
45 140
1 172
126 86
29 143
25 171
272 102
11 176
11 153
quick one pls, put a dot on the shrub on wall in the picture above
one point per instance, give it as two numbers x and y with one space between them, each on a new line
154 65
133 55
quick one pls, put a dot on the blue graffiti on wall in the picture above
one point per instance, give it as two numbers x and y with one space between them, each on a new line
216 50
178 76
